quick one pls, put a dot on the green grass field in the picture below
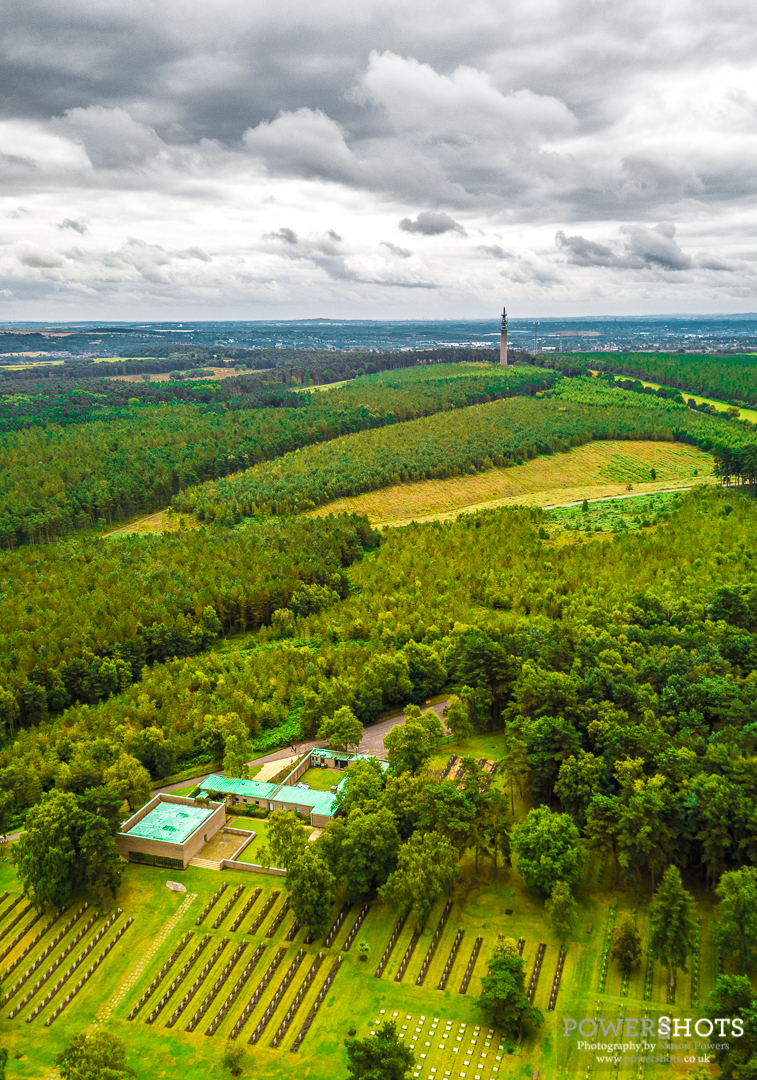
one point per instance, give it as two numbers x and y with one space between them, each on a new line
357 997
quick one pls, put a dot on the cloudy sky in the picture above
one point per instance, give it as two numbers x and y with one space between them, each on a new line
240 159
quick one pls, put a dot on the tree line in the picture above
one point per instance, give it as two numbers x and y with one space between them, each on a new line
625 690
453 444
728 377
59 479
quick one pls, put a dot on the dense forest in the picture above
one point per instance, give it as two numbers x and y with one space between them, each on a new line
454 443
58 478
625 680
731 378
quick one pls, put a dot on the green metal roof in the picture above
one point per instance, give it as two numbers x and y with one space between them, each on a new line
172 822
320 802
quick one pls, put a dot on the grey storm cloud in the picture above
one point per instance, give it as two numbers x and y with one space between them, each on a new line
431 223
400 252
645 247
72 223
189 128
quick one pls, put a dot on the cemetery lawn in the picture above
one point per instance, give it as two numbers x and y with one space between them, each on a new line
357 997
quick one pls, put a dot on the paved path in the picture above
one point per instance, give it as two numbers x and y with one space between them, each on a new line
371 743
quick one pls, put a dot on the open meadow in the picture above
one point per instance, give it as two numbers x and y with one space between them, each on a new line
597 470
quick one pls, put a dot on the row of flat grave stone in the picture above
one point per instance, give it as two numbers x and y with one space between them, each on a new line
22 934
50 970
78 961
211 904
257 993
313 1011
485 1044
228 906
51 945
434 944
327 941
89 972
14 922
245 908
199 980
260 917
236 990
273 1004
31 945
178 979
13 904
299 997
390 946
217 986
348 941
158 979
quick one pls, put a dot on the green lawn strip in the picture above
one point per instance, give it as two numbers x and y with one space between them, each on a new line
323 779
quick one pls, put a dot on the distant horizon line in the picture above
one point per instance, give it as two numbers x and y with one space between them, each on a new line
179 323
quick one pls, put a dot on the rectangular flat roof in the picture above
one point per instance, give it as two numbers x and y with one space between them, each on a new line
171 822
320 802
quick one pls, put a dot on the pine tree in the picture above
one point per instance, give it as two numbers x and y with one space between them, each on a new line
672 922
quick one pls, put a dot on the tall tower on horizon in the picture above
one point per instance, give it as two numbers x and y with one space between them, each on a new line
503 339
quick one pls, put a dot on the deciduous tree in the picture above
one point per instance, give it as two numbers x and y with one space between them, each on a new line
426 868
382 1056
311 891
100 1056
343 729
562 911
130 779
410 745
736 928
286 840
548 849
504 1000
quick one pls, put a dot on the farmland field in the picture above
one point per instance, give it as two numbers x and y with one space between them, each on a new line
594 471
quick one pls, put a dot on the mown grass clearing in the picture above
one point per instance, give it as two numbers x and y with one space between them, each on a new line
592 471
481 902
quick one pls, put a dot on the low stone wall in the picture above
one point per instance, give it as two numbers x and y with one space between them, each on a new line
234 864
249 837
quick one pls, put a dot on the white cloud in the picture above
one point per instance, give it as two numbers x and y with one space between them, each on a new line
252 160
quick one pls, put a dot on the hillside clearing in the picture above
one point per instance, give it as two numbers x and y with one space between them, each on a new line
594 471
